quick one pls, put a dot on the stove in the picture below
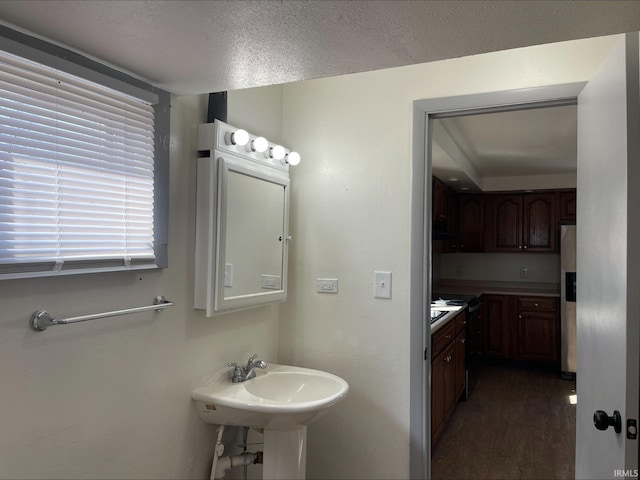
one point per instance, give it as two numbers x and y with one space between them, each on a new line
437 314
453 298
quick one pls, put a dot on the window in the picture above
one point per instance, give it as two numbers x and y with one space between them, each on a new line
83 170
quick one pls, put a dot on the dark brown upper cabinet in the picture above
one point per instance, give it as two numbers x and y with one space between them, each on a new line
471 234
451 244
523 223
506 229
540 227
567 206
439 202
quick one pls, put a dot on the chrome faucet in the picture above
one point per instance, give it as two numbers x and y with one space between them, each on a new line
243 373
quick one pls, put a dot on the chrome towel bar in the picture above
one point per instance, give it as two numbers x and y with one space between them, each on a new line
41 319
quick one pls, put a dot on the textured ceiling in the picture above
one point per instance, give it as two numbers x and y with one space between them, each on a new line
203 46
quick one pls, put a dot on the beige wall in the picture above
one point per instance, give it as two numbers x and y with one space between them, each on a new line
350 216
111 398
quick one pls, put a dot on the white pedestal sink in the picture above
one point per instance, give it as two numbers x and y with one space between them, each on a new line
282 400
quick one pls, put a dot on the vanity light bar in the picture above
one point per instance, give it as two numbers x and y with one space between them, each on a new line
237 137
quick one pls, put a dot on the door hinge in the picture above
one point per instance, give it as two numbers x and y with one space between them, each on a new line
632 428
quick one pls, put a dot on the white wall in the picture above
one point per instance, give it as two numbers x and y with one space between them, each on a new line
350 216
112 398
500 267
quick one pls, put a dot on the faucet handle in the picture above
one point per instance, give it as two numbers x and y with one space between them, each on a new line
253 357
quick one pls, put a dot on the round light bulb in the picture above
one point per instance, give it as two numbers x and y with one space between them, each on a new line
259 144
293 158
277 153
239 137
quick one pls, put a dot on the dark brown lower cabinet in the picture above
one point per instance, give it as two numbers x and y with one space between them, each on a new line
459 364
496 329
521 328
537 329
447 373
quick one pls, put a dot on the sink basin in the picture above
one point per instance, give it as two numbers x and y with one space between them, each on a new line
279 397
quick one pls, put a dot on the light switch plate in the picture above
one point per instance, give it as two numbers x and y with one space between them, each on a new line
382 284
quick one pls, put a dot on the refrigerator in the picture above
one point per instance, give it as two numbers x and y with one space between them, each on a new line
568 346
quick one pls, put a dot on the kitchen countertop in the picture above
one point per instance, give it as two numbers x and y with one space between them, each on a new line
442 321
476 289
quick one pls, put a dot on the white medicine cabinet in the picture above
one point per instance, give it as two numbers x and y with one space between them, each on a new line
242 220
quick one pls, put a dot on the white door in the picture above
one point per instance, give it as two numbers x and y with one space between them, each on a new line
608 257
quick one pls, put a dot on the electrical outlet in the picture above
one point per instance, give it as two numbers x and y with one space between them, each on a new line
459 271
524 273
327 285
271 282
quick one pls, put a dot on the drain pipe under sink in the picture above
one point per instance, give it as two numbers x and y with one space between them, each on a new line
225 463
217 451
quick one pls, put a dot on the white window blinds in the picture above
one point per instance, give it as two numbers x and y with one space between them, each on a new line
76 172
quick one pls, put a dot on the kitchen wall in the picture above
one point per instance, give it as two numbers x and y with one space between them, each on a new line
350 216
499 267
111 398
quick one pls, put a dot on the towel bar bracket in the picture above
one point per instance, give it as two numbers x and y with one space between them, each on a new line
41 320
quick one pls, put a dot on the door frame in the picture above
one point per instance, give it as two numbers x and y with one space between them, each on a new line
424 111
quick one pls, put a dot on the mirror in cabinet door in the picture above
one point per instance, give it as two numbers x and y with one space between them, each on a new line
242 227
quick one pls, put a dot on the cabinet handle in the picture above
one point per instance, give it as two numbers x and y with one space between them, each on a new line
519 246
462 340
448 337
520 317
526 246
535 305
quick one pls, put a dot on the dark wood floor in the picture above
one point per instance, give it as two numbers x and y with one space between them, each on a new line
518 424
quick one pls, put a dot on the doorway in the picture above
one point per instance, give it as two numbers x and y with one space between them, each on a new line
425 112
518 421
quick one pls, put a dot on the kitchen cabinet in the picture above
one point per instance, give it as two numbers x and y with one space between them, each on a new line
451 244
459 365
506 231
521 328
460 354
439 199
566 206
496 326
537 329
471 223
447 372
441 392
540 228
523 223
